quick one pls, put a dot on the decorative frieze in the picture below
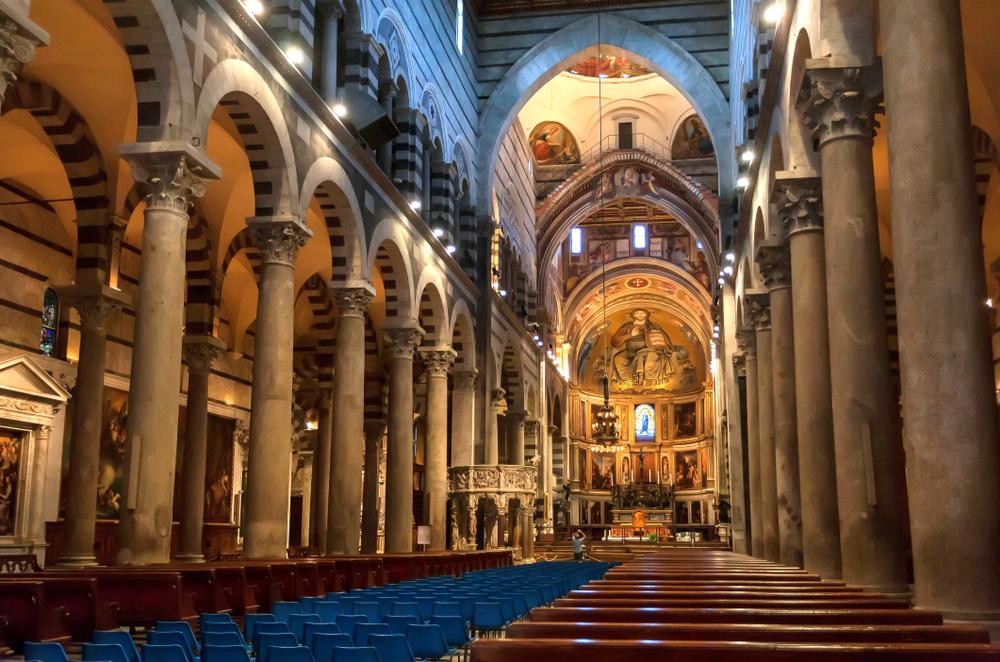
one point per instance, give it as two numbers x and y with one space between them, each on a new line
840 101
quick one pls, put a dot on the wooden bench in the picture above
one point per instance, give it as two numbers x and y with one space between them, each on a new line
874 602
25 615
736 615
717 592
79 604
545 650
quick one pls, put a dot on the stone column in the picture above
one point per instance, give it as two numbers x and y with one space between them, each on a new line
515 431
498 405
463 417
799 202
731 369
344 511
172 173
839 104
761 309
374 431
330 14
747 340
199 352
949 410
19 37
321 470
775 266
268 478
437 362
94 303
399 343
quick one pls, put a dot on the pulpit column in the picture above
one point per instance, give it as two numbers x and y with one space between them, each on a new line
463 417
498 406
515 431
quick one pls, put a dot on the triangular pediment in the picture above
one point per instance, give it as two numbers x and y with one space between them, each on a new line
21 377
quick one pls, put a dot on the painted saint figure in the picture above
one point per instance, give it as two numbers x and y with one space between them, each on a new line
644 357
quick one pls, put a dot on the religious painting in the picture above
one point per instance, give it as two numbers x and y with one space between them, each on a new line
685 420
553 144
218 468
687 475
703 461
691 140
696 512
111 465
608 66
626 470
645 423
602 470
10 463
644 356
665 476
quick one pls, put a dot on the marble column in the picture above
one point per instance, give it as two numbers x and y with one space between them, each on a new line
498 406
172 173
268 478
330 14
319 510
761 310
374 431
774 262
463 417
839 104
949 407
399 343
732 367
94 303
348 448
437 362
19 37
747 340
515 436
798 198
199 352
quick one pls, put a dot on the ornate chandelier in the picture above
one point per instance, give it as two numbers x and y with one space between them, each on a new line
604 429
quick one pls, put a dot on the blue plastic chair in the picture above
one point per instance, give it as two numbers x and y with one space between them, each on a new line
48 651
120 637
408 609
427 642
449 608
397 624
219 626
184 628
104 652
369 609
312 629
327 610
392 647
163 653
266 640
453 628
364 630
487 617
506 608
386 604
347 603
212 617
467 605
250 622
282 610
289 654
273 627
346 623
355 654
297 624
426 606
171 637
307 603
221 639
213 653
323 644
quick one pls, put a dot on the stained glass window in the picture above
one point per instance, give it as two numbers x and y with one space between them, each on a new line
645 423
50 322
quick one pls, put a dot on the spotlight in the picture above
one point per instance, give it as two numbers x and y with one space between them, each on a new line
536 337
415 205
728 270
503 293
254 7
722 281
438 232
700 245
340 110
774 12
747 156
295 55
743 181
450 248
989 303
730 256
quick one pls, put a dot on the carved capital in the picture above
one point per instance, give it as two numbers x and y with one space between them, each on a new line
200 351
760 309
94 302
465 380
352 300
774 262
170 173
278 238
516 417
746 340
840 101
799 201
400 342
438 361
740 364
498 400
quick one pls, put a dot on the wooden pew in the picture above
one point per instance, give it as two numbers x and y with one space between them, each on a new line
736 615
752 632
870 602
716 592
25 615
545 650
79 603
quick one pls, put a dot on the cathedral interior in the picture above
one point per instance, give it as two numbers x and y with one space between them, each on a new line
680 306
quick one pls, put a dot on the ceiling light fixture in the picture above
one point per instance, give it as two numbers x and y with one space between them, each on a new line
747 156
730 256
450 248
415 205
295 55
254 7
438 232
743 181
774 12
340 110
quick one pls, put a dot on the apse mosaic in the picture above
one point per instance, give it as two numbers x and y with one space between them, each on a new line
553 144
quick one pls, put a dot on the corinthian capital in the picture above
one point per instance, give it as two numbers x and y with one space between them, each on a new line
798 198
760 309
746 340
775 266
400 342
279 238
438 361
171 173
352 299
465 380
94 302
200 351
840 101
19 37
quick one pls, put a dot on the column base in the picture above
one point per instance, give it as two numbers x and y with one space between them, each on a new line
190 558
904 592
81 561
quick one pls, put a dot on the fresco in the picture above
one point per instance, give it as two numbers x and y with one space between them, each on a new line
608 66
553 144
691 140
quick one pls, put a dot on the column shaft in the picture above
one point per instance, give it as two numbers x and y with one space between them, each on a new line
348 447
463 418
374 432
493 428
437 362
949 406
515 437
753 453
765 426
321 471
400 343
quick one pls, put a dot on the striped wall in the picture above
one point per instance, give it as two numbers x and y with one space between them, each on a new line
516 198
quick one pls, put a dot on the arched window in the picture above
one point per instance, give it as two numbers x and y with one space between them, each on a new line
639 237
50 322
576 241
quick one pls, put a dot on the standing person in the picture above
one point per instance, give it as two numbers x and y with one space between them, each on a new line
578 538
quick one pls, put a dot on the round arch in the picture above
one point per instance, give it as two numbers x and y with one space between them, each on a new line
392 261
462 334
432 314
328 182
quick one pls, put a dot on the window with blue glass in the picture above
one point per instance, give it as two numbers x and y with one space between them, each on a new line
645 423
50 322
